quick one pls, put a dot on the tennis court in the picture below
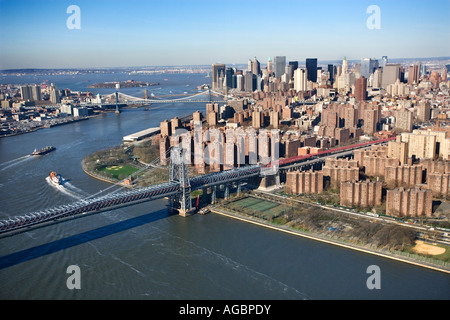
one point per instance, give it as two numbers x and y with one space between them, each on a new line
258 207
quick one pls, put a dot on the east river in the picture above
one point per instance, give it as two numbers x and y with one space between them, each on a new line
142 252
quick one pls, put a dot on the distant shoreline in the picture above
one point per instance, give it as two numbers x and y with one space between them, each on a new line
261 223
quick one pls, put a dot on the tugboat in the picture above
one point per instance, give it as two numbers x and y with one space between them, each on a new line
42 151
55 178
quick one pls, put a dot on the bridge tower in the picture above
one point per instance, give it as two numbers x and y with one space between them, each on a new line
117 98
178 173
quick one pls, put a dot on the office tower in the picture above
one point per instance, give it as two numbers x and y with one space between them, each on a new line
384 61
249 82
234 81
289 72
54 94
229 73
26 93
344 66
256 67
391 73
331 73
217 70
367 67
31 92
300 79
280 65
413 73
377 76
36 92
293 65
269 65
259 83
423 70
444 73
240 82
311 67
361 89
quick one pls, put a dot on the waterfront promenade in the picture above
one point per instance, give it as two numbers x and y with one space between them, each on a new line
398 256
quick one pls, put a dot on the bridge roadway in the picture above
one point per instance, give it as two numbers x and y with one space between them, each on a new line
17 224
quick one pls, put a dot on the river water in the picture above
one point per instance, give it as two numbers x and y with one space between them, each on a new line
142 252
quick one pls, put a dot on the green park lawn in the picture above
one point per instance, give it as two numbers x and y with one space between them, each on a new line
119 172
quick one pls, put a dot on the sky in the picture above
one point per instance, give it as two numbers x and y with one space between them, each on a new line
113 33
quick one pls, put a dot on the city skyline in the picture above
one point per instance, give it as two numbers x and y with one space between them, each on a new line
158 33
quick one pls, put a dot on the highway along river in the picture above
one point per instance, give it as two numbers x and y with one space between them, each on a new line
142 252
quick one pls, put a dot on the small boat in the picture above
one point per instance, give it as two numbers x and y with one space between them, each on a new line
42 151
55 178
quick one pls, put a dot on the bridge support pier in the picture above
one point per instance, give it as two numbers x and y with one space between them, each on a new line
213 194
227 191
270 181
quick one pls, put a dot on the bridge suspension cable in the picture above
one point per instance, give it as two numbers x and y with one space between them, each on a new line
132 98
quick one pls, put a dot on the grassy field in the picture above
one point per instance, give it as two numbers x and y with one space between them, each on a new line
260 208
119 172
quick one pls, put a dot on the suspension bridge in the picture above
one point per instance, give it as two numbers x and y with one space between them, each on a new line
119 98
178 189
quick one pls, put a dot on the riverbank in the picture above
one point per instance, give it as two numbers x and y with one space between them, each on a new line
99 177
266 224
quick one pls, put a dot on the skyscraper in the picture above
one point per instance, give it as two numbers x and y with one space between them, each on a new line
414 73
280 65
54 94
217 70
391 73
368 65
269 65
361 89
344 66
229 72
36 92
311 66
293 66
249 82
256 67
384 61
300 79
423 70
26 93
331 73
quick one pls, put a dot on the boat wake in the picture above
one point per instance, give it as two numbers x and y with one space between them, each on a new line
14 162
63 189
70 186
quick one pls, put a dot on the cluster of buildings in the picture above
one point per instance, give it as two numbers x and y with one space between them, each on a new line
28 107
286 109
394 173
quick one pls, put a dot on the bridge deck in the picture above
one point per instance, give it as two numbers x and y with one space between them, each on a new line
116 199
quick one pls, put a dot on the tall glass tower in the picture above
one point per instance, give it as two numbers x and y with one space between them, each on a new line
311 66
280 65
